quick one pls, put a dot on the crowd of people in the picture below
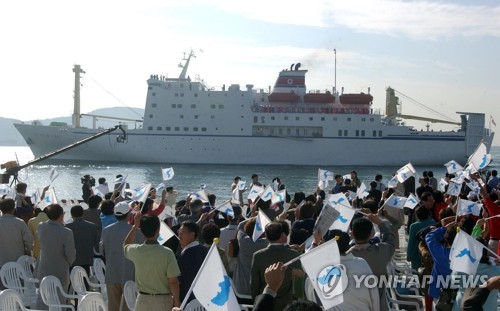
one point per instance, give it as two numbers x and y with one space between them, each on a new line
125 234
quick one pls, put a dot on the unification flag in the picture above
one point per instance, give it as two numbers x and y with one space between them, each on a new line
465 253
405 172
267 194
326 218
165 233
226 208
328 276
241 185
35 197
200 195
324 175
98 192
167 173
474 186
323 184
480 158
260 224
442 185
278 196
49 198
453 167
395 201
7 191
393 183
53 174
338 199
465 207
361 192
212 286
454 188
254 193
344 219
411 201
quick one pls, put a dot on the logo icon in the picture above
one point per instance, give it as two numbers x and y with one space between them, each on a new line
223 295
332 281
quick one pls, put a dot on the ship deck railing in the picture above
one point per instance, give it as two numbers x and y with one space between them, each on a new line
329 110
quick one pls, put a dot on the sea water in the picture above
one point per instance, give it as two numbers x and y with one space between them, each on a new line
189 177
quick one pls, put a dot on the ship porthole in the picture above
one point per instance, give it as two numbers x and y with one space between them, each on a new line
290 81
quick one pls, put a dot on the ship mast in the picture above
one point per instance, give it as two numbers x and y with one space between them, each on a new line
76 98
186 65
335 72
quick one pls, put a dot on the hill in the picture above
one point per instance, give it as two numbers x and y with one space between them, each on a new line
11 137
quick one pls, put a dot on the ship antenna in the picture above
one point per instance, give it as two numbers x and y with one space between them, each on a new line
76 100
335 72
186 65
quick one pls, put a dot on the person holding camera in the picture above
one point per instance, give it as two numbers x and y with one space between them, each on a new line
87 183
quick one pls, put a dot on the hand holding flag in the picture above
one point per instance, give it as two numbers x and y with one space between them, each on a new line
167 173
53 174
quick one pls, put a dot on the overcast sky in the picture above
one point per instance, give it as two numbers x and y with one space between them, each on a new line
445 55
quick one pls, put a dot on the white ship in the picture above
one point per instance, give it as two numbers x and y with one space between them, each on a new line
187 122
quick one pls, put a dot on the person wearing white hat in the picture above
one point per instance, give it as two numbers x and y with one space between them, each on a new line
118 268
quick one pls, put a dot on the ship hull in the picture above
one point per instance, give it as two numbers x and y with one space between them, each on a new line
144 147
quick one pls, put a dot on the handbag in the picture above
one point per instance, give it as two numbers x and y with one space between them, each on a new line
446 299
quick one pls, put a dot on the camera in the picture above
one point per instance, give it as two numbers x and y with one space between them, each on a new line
88 180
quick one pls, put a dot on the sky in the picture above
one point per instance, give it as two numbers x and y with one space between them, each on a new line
442 54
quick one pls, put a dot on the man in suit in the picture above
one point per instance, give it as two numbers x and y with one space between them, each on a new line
277 251
85 237
57 248
192 256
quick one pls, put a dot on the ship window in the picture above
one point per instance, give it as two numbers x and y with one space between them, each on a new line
288 131
357 133
345 132
150 87
150 128
242 129
280 131
196 116
297 118
255 119
322 118
363 133
212 106
181 116
154 105
335 119
363 119
195 94
176 94
179 106
262 119
286 118
176 128
271 132
153 94
158 128
272 118
182 84
212 117
174 106
186 129
203 129
167 128
242 117
311 118
182 94
371 119
221 106
349 119
151 116
297 132
195 129
305 132
340 132
193 106
379 133
374 133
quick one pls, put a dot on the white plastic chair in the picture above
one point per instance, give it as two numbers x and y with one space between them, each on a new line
50 289
28 264
130 294
13 277
99 269
78 277
11 301
92 302
194 305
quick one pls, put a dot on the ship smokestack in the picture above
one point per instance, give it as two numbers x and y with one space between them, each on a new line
291 66
297 66
76 100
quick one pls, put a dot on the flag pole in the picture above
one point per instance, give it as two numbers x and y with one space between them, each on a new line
184 302
322 245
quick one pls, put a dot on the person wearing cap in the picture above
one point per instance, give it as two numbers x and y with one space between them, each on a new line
85 237
156 269
118 268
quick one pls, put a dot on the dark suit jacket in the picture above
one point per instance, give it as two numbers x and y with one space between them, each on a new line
189 263
86 239
263 259
264 302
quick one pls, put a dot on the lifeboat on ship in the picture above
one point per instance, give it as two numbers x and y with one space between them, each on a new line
319 98
356 99
283 97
